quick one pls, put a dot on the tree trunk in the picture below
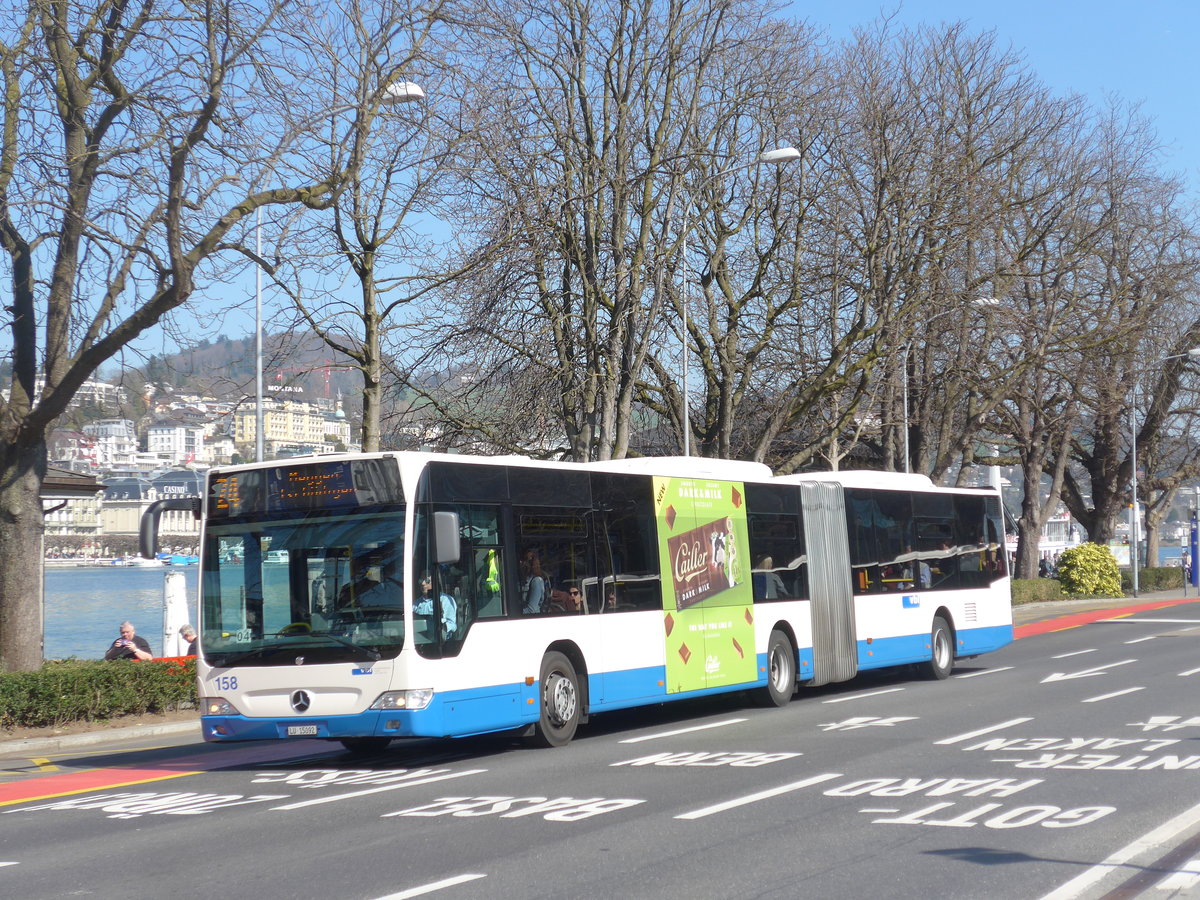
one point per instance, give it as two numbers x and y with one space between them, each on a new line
22 469
1028 552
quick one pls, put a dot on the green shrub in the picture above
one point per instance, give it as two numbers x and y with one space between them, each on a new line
1166 578
1089 570
1035 590
77 690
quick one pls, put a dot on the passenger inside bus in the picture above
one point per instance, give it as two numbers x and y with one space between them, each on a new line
533 582
424 605
376 581
767 583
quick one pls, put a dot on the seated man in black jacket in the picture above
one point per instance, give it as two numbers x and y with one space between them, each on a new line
129 645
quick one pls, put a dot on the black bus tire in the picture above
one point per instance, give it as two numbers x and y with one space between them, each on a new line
781 671
941 646
558 701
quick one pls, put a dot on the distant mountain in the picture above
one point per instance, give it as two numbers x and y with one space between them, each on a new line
225 368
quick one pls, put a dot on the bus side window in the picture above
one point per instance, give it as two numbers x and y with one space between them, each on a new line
477 580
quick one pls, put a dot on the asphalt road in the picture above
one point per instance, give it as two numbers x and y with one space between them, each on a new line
1063 766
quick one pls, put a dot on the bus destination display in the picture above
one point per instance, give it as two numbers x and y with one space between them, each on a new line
300 487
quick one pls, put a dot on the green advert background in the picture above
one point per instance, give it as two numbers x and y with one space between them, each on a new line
710 643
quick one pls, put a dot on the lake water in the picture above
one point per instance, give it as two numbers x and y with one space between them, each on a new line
85 606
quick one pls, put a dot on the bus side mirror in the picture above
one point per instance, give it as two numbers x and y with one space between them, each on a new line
148 527
446 546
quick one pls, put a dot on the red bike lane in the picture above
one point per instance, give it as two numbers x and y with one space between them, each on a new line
49 786
1061 622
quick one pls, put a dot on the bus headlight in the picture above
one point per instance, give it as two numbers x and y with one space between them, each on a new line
217 706
418 699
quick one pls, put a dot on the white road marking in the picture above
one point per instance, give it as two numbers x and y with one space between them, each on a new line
1132 690
9 864
1087 673
761 795
1153 839
1189 672
988 730
1141 639
663 734
1187 876
983 672
863 696
379 790
1150 621
430 888
1074 653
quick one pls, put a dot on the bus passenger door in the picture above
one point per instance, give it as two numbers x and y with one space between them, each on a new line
835 651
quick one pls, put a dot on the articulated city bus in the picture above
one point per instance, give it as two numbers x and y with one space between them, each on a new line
368 597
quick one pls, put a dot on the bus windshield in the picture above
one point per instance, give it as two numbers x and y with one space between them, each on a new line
325 587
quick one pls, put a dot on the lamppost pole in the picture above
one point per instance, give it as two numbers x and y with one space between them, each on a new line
773 157
258 341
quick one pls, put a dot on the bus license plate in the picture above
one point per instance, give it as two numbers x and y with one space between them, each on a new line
301 730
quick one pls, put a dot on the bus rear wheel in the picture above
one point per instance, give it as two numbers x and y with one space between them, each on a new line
781 671
559 705
941 645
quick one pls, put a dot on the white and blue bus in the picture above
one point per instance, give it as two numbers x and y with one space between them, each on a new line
368 597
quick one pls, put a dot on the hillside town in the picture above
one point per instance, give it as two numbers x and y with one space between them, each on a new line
104 475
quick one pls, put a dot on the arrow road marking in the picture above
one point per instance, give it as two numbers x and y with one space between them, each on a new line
1087 673
974 734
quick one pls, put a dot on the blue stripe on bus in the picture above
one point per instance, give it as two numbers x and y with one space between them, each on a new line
500 707
914 648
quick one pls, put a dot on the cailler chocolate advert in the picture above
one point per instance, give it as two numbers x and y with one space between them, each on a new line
708 619
704 561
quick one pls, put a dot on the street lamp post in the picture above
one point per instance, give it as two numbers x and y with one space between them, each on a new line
1134 529
394 93
978 302
776 157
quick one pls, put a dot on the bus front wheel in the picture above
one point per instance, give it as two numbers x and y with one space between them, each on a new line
559 690
941 643
781 671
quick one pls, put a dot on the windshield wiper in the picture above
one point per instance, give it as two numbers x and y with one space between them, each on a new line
231 659
367 651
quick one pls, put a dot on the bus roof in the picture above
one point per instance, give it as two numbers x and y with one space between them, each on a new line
676 466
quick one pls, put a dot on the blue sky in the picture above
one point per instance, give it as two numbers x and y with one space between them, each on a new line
1143 51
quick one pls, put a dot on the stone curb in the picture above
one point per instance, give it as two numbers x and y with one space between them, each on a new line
29 746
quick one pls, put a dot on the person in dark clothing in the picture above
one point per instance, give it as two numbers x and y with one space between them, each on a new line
129 645
188 633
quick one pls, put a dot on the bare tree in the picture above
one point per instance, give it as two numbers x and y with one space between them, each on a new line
137 139
374 227
584 138
1141 277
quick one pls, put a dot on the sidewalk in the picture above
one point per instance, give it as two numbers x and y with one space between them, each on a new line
10 747
1070 613
1028 619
